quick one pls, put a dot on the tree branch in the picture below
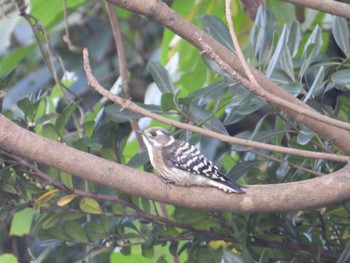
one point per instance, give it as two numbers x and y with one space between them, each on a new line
169 18
127 104
118 39
327 6
280 197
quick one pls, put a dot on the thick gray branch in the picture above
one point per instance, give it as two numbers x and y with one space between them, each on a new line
313 193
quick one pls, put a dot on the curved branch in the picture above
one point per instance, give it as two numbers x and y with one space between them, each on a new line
318 192
327 6
127 104
169 18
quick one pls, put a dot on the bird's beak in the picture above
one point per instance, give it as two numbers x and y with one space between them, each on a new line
141 132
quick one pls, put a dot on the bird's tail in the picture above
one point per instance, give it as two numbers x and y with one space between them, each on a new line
228 187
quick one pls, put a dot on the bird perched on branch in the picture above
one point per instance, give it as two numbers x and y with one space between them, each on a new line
183 164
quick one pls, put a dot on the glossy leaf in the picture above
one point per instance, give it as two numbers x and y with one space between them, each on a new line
147 251
119 115
90 206
341 79
206 118
278 51
212 65
262 31
340 32
173 248
161 77
311 50
44 198
8 258
286 63
294 38
21 222
241 169
305 135
66 199
345 255
282 171
62 120
168 102
49 131
75 231
218 30
317 85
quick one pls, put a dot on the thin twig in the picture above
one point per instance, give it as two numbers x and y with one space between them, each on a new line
127 104
66 36
310 171
236 44
118 39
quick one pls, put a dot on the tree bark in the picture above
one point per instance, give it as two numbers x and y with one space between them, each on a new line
313 193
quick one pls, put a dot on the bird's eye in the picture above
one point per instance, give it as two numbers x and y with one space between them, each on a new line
154 134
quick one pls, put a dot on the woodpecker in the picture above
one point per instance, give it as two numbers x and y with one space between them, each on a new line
183 164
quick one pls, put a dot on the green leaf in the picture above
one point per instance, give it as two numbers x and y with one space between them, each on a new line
265 256
191 216
75 231
161 77
45 198
8 258
5 80
205 223
62 120
262 32
13 58
147 251
49 220
241 107
217 29
293 88
317 85
168 102
241 169
212 65
342 108
311 50
119 115
294 38
340 32
49 131
21 222
286 63
206 118
345 255
126 251
282 171
213 91
278 51
305 135
138 160
173 248
90 206
162 259
341 79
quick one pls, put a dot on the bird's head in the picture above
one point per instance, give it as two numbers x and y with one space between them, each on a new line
157 137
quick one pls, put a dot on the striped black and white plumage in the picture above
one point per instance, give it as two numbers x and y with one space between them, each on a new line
183 164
